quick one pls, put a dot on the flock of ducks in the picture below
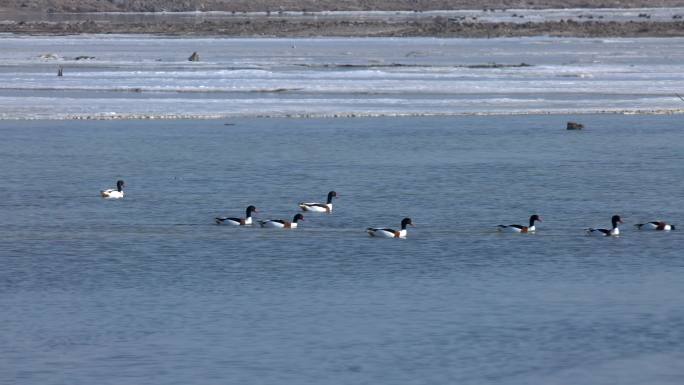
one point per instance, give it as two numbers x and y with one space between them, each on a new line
380 232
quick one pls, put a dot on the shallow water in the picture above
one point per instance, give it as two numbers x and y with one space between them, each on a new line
135 76
148 290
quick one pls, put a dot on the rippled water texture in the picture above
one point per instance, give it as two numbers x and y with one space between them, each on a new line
147 290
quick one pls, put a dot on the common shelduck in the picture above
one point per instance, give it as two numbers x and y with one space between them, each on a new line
282 224
605 232
521 228
390 233
247 220
319 207
114 193
656 226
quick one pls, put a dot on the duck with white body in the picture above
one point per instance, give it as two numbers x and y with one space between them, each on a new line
319 207
655 226
282 224
117 193
520 228
612 232
247 220
390 233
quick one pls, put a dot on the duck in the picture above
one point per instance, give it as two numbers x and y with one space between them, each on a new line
117 193
521 228
319 207
247 220
655 226
606 232
390 233
282 224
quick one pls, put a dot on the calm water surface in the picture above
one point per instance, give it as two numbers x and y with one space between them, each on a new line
146 290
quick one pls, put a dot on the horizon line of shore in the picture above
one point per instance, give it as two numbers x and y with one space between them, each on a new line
590 22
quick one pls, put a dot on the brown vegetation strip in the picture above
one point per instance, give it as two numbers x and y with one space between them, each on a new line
313 5
437 26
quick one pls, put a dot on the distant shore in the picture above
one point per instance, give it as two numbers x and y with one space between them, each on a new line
312 26
274 6
353 18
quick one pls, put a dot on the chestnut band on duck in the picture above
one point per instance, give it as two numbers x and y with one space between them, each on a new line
247 220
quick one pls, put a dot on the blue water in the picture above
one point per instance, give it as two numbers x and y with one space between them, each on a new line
147 290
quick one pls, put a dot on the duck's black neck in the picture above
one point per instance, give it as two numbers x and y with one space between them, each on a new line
532 221
119 186
615 224
249 212
330 197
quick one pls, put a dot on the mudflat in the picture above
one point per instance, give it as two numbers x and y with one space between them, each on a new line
462 18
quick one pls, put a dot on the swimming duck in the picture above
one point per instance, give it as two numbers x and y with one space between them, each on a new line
521 228
390 233
605 232
319 207
657 226
282 224
112 193
247 220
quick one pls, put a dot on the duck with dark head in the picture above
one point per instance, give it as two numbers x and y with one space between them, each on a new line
282 224
520 228
390 233
117 193
233 221
614 231
319 207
